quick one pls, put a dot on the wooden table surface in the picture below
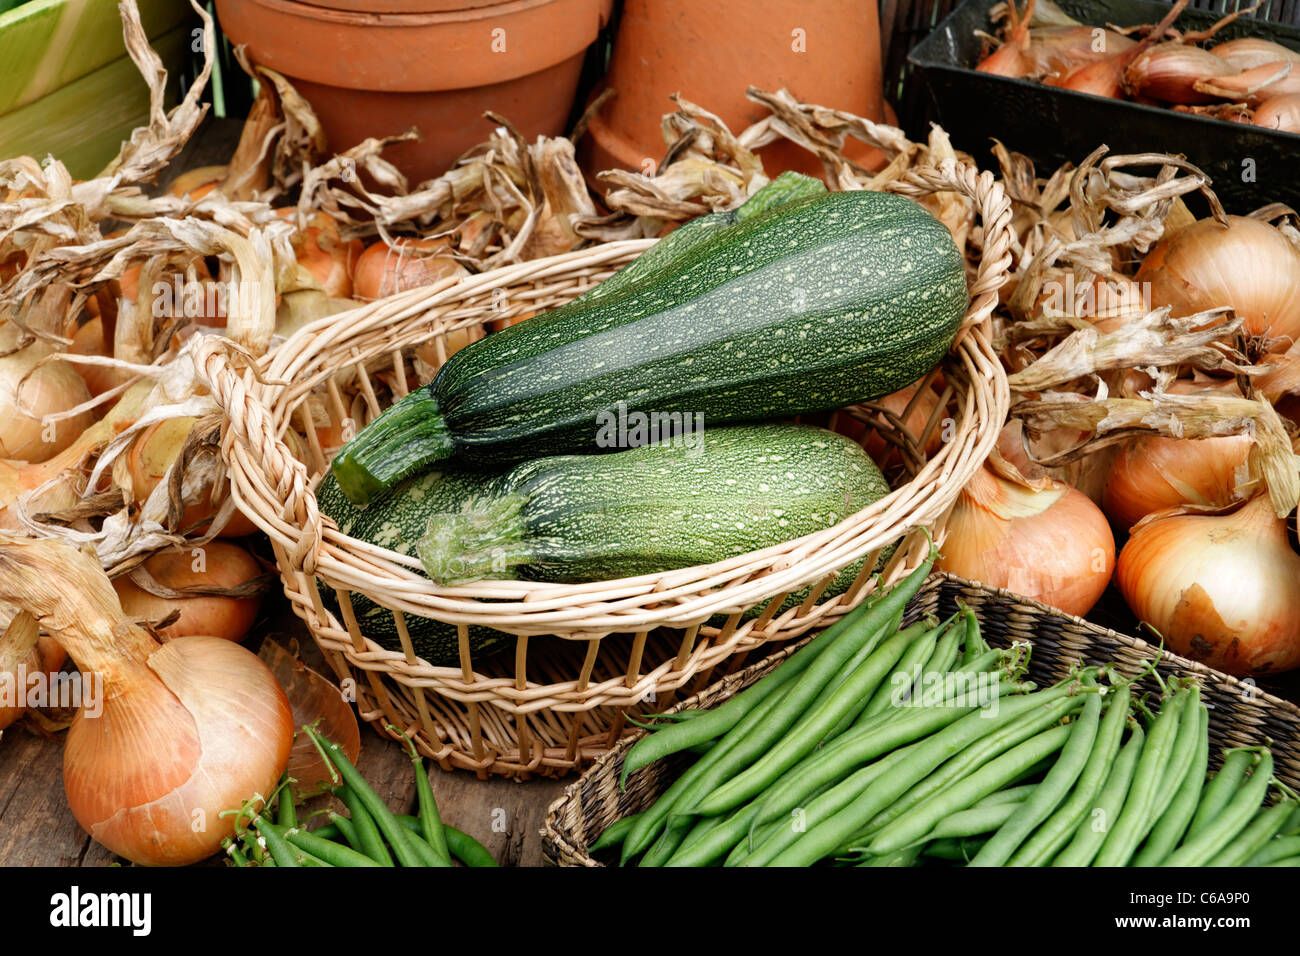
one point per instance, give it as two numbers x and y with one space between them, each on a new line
38 829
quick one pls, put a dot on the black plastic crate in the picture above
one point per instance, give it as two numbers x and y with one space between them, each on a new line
1250 166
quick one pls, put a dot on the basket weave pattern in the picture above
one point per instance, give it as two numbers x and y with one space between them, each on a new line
598 648
1240 714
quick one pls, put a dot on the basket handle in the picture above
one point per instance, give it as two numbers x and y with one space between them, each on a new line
995 212
246 431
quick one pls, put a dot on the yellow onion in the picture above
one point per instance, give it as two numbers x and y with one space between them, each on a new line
31 390
1153 473
168 736
384 270
1245 53
1052 545
1279 112
1169 72
1246 264
1219 589
24 651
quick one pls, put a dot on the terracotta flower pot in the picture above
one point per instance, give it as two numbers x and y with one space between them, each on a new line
826 53
378 67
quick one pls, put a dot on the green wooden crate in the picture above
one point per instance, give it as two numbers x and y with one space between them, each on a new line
68 88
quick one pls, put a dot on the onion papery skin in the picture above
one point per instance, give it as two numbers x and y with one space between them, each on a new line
1247 265
149 777
1154 473
1219 589
384 270
26 399
1062 555
227 566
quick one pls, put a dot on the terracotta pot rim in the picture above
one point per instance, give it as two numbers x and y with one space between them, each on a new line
413 52
403 6
363 19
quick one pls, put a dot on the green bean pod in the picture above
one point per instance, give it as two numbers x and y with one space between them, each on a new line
862 622
1173 822
1217 793
1096 823
1050 793
1262 829
1138 814
1200 849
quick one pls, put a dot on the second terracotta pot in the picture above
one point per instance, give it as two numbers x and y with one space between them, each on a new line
827 52
379 67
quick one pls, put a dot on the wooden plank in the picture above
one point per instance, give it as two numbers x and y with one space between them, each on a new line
47 44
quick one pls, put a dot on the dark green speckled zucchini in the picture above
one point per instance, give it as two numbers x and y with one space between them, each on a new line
807 305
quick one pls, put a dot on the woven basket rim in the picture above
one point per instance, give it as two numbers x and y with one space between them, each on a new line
272 488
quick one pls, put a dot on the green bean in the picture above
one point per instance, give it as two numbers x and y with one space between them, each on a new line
913 826
418 848
614 834
920 761
957 848
366 796
862 622
755 760
1171 826
1262 829
1278 848
1220 789
1289 861
717 840
975 643
369 840
904 857
908 673
430 822
235 853
1050 793
1231 820
853 749
674 834
1007 795
694 782
343 826
1057 829
980 752
335 854
770 839
974 821
795 728
285 813
466 849
1095 824
925 631
1138 815
276 845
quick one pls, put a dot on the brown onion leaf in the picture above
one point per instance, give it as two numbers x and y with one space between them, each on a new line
312 698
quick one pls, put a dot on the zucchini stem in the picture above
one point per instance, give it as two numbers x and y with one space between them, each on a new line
485 540
408 437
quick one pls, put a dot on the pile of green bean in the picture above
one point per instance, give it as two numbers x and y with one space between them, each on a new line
866 747
371 834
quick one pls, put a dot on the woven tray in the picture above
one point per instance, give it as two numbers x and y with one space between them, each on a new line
600 649
1240 714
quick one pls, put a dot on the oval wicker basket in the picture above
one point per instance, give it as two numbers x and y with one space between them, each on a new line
1240 714
584 654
